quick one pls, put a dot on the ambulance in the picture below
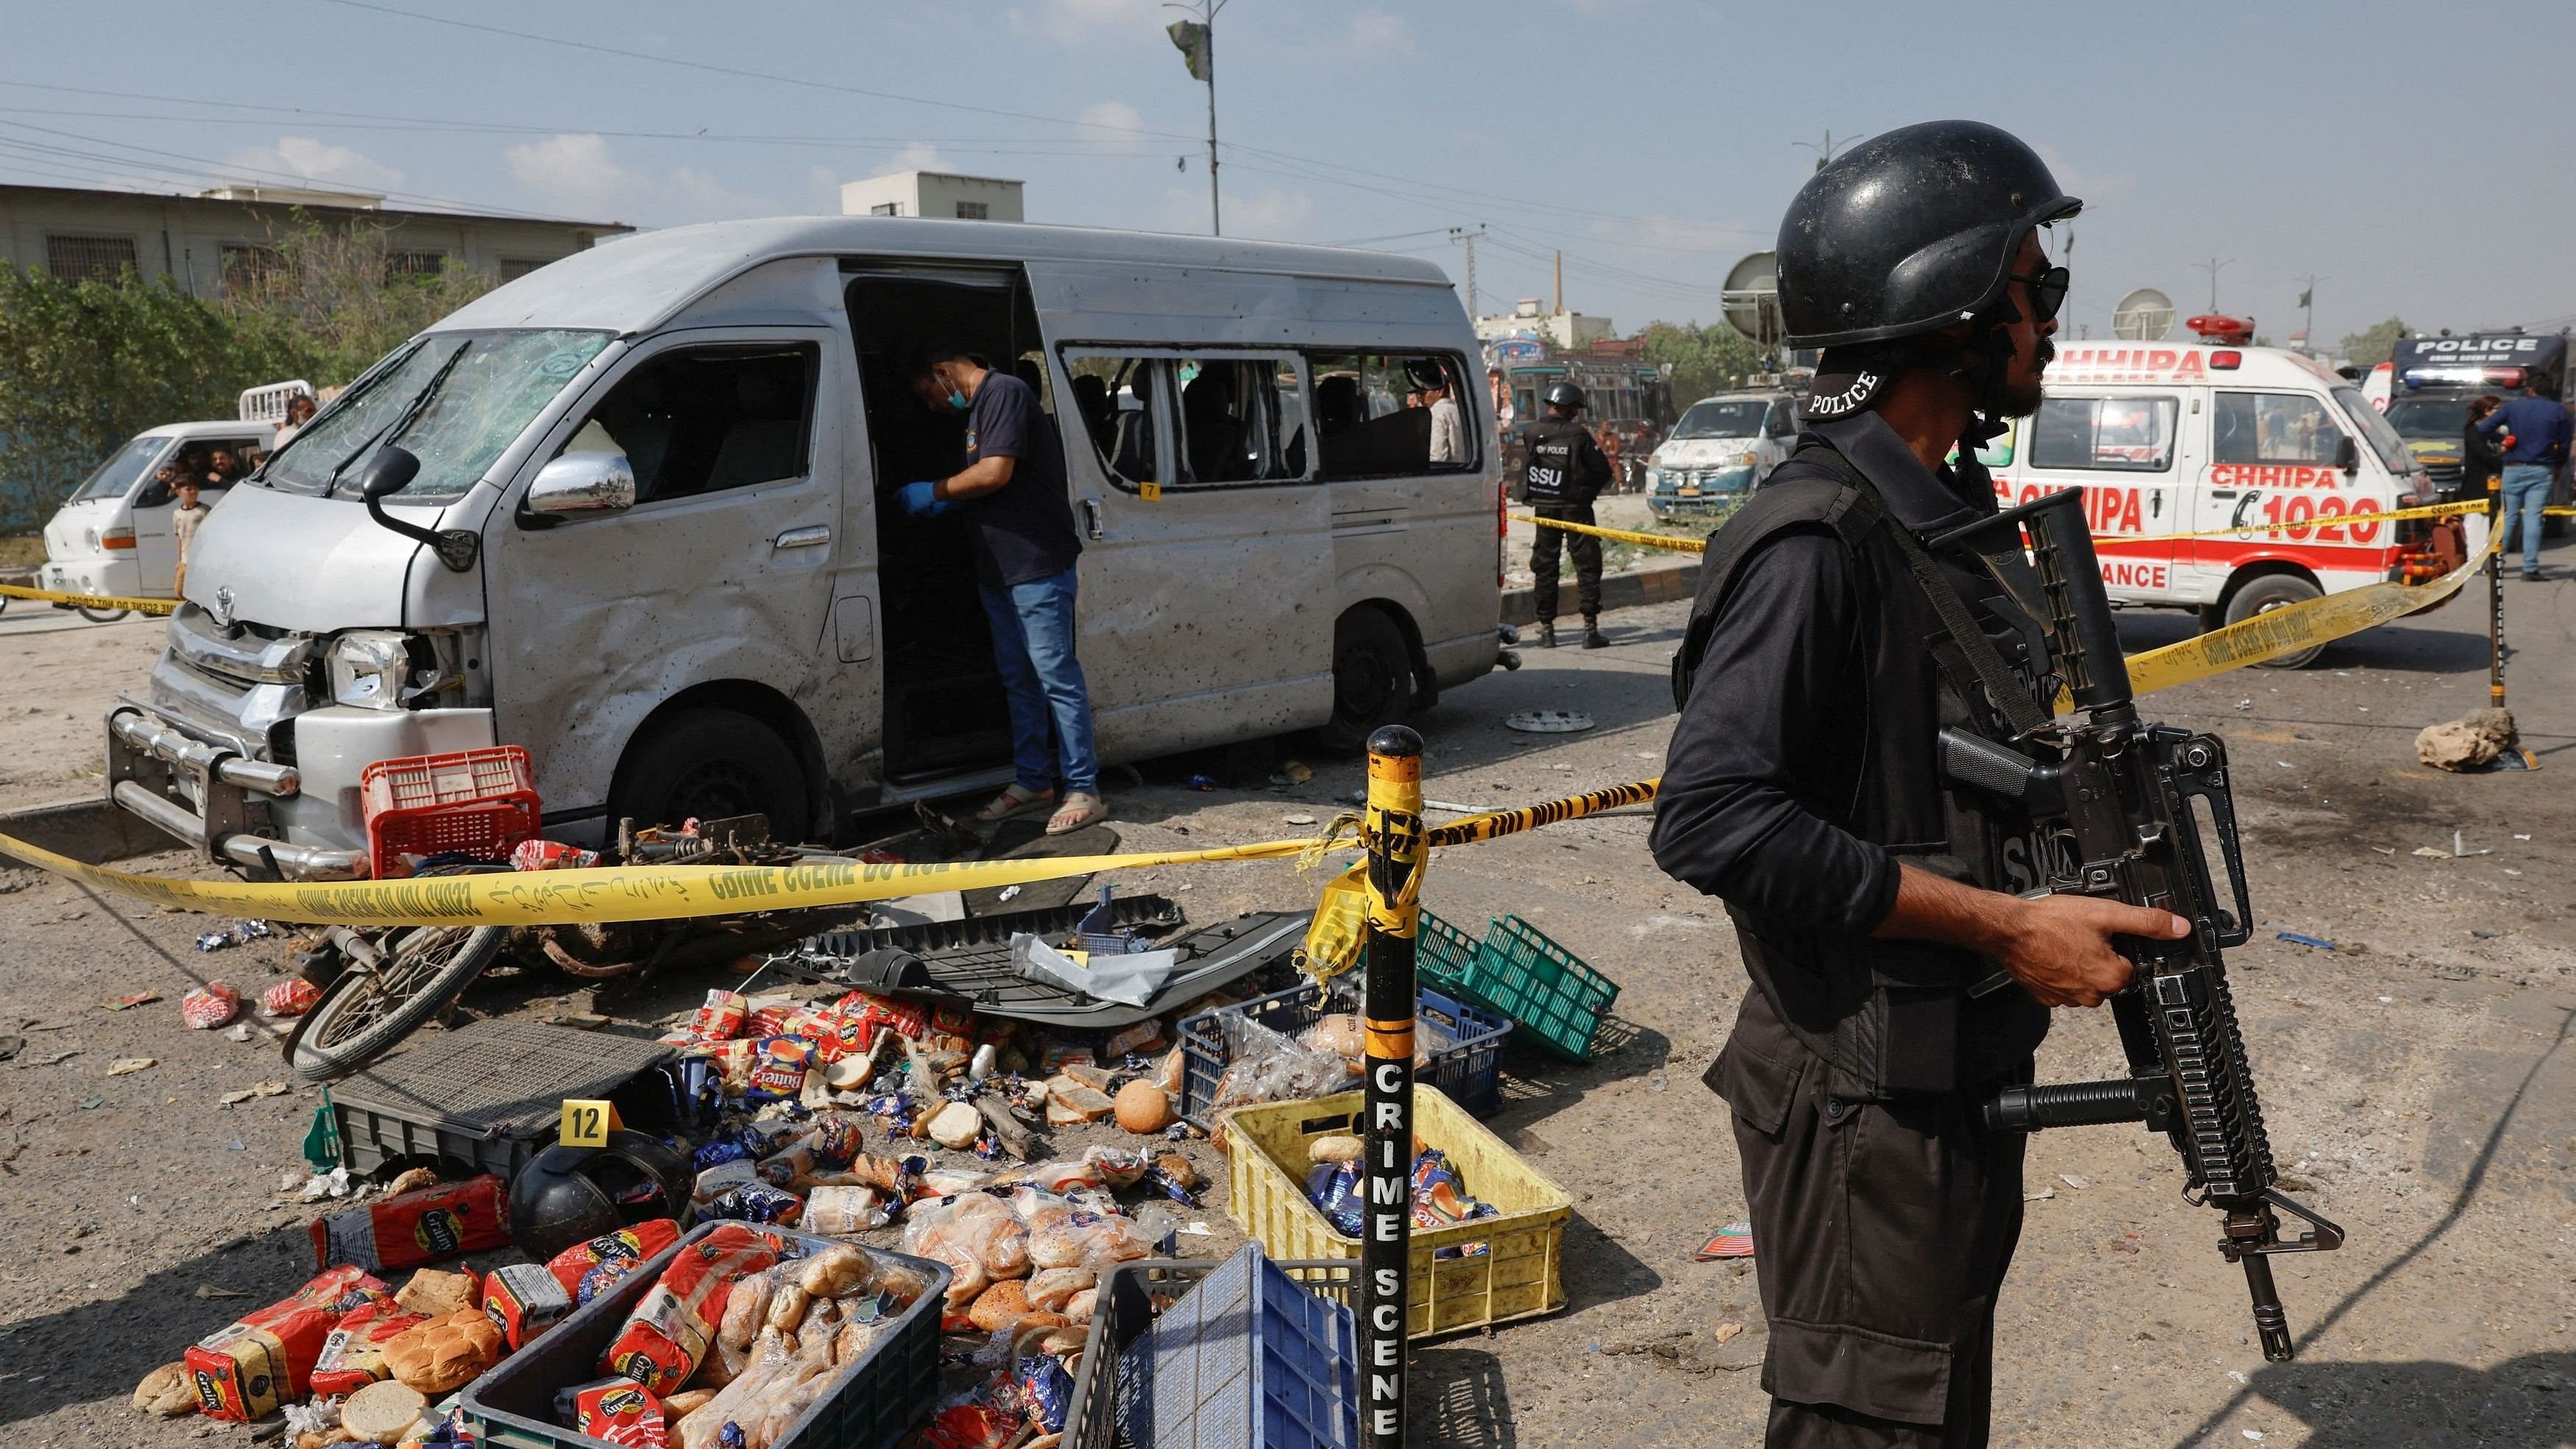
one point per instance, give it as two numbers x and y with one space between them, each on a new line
2191 437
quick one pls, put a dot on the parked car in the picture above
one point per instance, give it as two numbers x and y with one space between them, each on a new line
1722 449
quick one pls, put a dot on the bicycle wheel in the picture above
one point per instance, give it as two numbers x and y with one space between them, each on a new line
370 1009
103 616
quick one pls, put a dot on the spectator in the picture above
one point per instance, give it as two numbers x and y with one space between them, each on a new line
299 411
2534 430
1448 428
2480 458
223 469
183 524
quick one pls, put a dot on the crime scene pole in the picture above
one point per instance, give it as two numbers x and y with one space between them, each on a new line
1392 830
2495 594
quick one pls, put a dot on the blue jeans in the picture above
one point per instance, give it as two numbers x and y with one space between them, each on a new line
1033 652
2526 488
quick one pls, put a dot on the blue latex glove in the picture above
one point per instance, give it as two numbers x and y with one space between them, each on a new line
918 500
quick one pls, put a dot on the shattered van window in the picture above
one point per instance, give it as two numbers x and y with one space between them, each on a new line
457 401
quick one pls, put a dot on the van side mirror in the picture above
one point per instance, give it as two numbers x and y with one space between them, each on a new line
582 483
2347 454
388 473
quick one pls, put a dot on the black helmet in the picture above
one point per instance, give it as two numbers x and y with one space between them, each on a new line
570 1195
1425 373
1565 395
1909 232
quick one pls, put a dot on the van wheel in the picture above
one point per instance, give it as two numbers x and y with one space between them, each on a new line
2274 591
711 763
1373 683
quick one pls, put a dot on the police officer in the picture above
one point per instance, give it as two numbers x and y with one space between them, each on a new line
1565 472
1803 789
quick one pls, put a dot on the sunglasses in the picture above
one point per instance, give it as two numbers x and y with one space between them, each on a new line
2047 291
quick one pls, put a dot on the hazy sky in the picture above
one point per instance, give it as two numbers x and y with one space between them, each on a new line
2375 146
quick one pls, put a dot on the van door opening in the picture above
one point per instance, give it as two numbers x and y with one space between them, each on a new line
944 708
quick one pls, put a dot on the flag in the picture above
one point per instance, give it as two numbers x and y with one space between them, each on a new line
1192 39
2304 296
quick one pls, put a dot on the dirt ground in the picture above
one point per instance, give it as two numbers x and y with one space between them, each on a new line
2414 1080
58 675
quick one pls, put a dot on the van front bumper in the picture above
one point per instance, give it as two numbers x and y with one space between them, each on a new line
213 792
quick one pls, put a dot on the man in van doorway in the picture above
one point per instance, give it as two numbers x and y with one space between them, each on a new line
1013 494
2534 429
1565 472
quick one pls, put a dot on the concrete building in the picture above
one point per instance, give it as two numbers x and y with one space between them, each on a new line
1560 329
201 240
933 193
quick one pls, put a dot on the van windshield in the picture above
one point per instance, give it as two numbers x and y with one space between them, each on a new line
1736 418
2433 419
456 400
118 474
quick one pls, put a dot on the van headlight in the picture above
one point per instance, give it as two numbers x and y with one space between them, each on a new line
370 668
1654 479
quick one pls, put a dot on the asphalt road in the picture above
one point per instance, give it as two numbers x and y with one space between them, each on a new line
2416 1081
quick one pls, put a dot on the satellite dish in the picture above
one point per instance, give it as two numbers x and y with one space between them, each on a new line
2144 315
1751 299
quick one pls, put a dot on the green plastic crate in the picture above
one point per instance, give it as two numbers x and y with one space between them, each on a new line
1442 953
1546 990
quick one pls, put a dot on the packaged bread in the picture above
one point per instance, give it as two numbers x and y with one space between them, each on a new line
834 1211
524 1300
836 1270
245 1370
1052 1288
443 1355
413 1228
668 1333
1002 1305
588 1269
746 1308
436 1292
354 1355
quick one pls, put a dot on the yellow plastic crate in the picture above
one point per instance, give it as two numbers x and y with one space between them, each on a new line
1520 1275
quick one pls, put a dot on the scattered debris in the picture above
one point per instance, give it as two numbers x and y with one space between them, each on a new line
1301 818
2296 939
61 1056
2522 837
1203 783
1548 722
256 1089
2043 1195
122 1003
211 1005
1735 1240
2432 852
2471 743
2071 1180
128 1066
2460 849
209 1290
1292 772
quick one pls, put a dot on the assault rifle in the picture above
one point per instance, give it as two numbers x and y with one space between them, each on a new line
2128 796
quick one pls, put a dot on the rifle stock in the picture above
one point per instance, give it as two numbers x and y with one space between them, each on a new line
2131 799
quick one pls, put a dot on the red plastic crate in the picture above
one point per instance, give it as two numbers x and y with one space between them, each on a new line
481 802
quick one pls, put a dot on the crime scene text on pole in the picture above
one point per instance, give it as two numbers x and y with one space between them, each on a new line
1392 831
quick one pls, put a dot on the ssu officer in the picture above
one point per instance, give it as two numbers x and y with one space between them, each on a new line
1565 472
1822 660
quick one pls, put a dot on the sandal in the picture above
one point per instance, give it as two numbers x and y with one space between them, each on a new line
1012 803
1080 808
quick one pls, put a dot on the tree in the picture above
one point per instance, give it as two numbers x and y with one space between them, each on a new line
1705 359
85 366
2372 345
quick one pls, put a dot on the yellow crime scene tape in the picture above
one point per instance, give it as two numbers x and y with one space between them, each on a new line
2242 530
89 601
661 893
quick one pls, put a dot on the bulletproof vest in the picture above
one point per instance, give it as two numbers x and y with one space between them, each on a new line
1890 1017
1550 476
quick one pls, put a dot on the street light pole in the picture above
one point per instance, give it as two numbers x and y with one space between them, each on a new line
2211 266
1196 41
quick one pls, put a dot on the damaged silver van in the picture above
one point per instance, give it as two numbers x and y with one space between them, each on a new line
650 537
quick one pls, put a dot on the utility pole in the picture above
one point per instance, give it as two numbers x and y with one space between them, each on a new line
1560 281
1468 239
2308 307
1825 151
2211 266
1196 40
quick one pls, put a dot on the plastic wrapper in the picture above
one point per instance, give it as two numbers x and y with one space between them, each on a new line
720 1179
1077 1309
550 855
722 1018
746 1307
615 1409
1130 980
524 1300
976 1235
353 1355
210 1006
1335 1189
413 1228
1046 1391
663 1340
1052 1288
589 1269
842 1211
244 1371
971 1426
292 997
757 1202
778 1070
1268 1067
768 1016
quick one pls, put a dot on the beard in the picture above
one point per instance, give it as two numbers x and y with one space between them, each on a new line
2021 396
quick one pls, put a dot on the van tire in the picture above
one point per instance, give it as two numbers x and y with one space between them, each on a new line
2273 591
1373 683
711 763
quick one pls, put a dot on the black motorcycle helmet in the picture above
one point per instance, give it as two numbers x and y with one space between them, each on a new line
1566 395
1909 232
571 1195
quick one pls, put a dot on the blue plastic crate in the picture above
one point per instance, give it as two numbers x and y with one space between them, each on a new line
1248 1360
1466 1043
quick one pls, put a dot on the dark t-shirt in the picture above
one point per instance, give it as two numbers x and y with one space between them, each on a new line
1024 529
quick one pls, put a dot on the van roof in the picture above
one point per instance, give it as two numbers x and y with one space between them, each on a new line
630 283
2081 364
220 428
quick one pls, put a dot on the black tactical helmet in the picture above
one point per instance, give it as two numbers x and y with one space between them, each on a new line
1565 395
1909 232
570 1195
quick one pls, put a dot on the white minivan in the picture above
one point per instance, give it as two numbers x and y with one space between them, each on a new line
113 535
651 538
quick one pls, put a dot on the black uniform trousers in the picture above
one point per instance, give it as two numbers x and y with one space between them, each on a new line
1881 1232
1586 550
